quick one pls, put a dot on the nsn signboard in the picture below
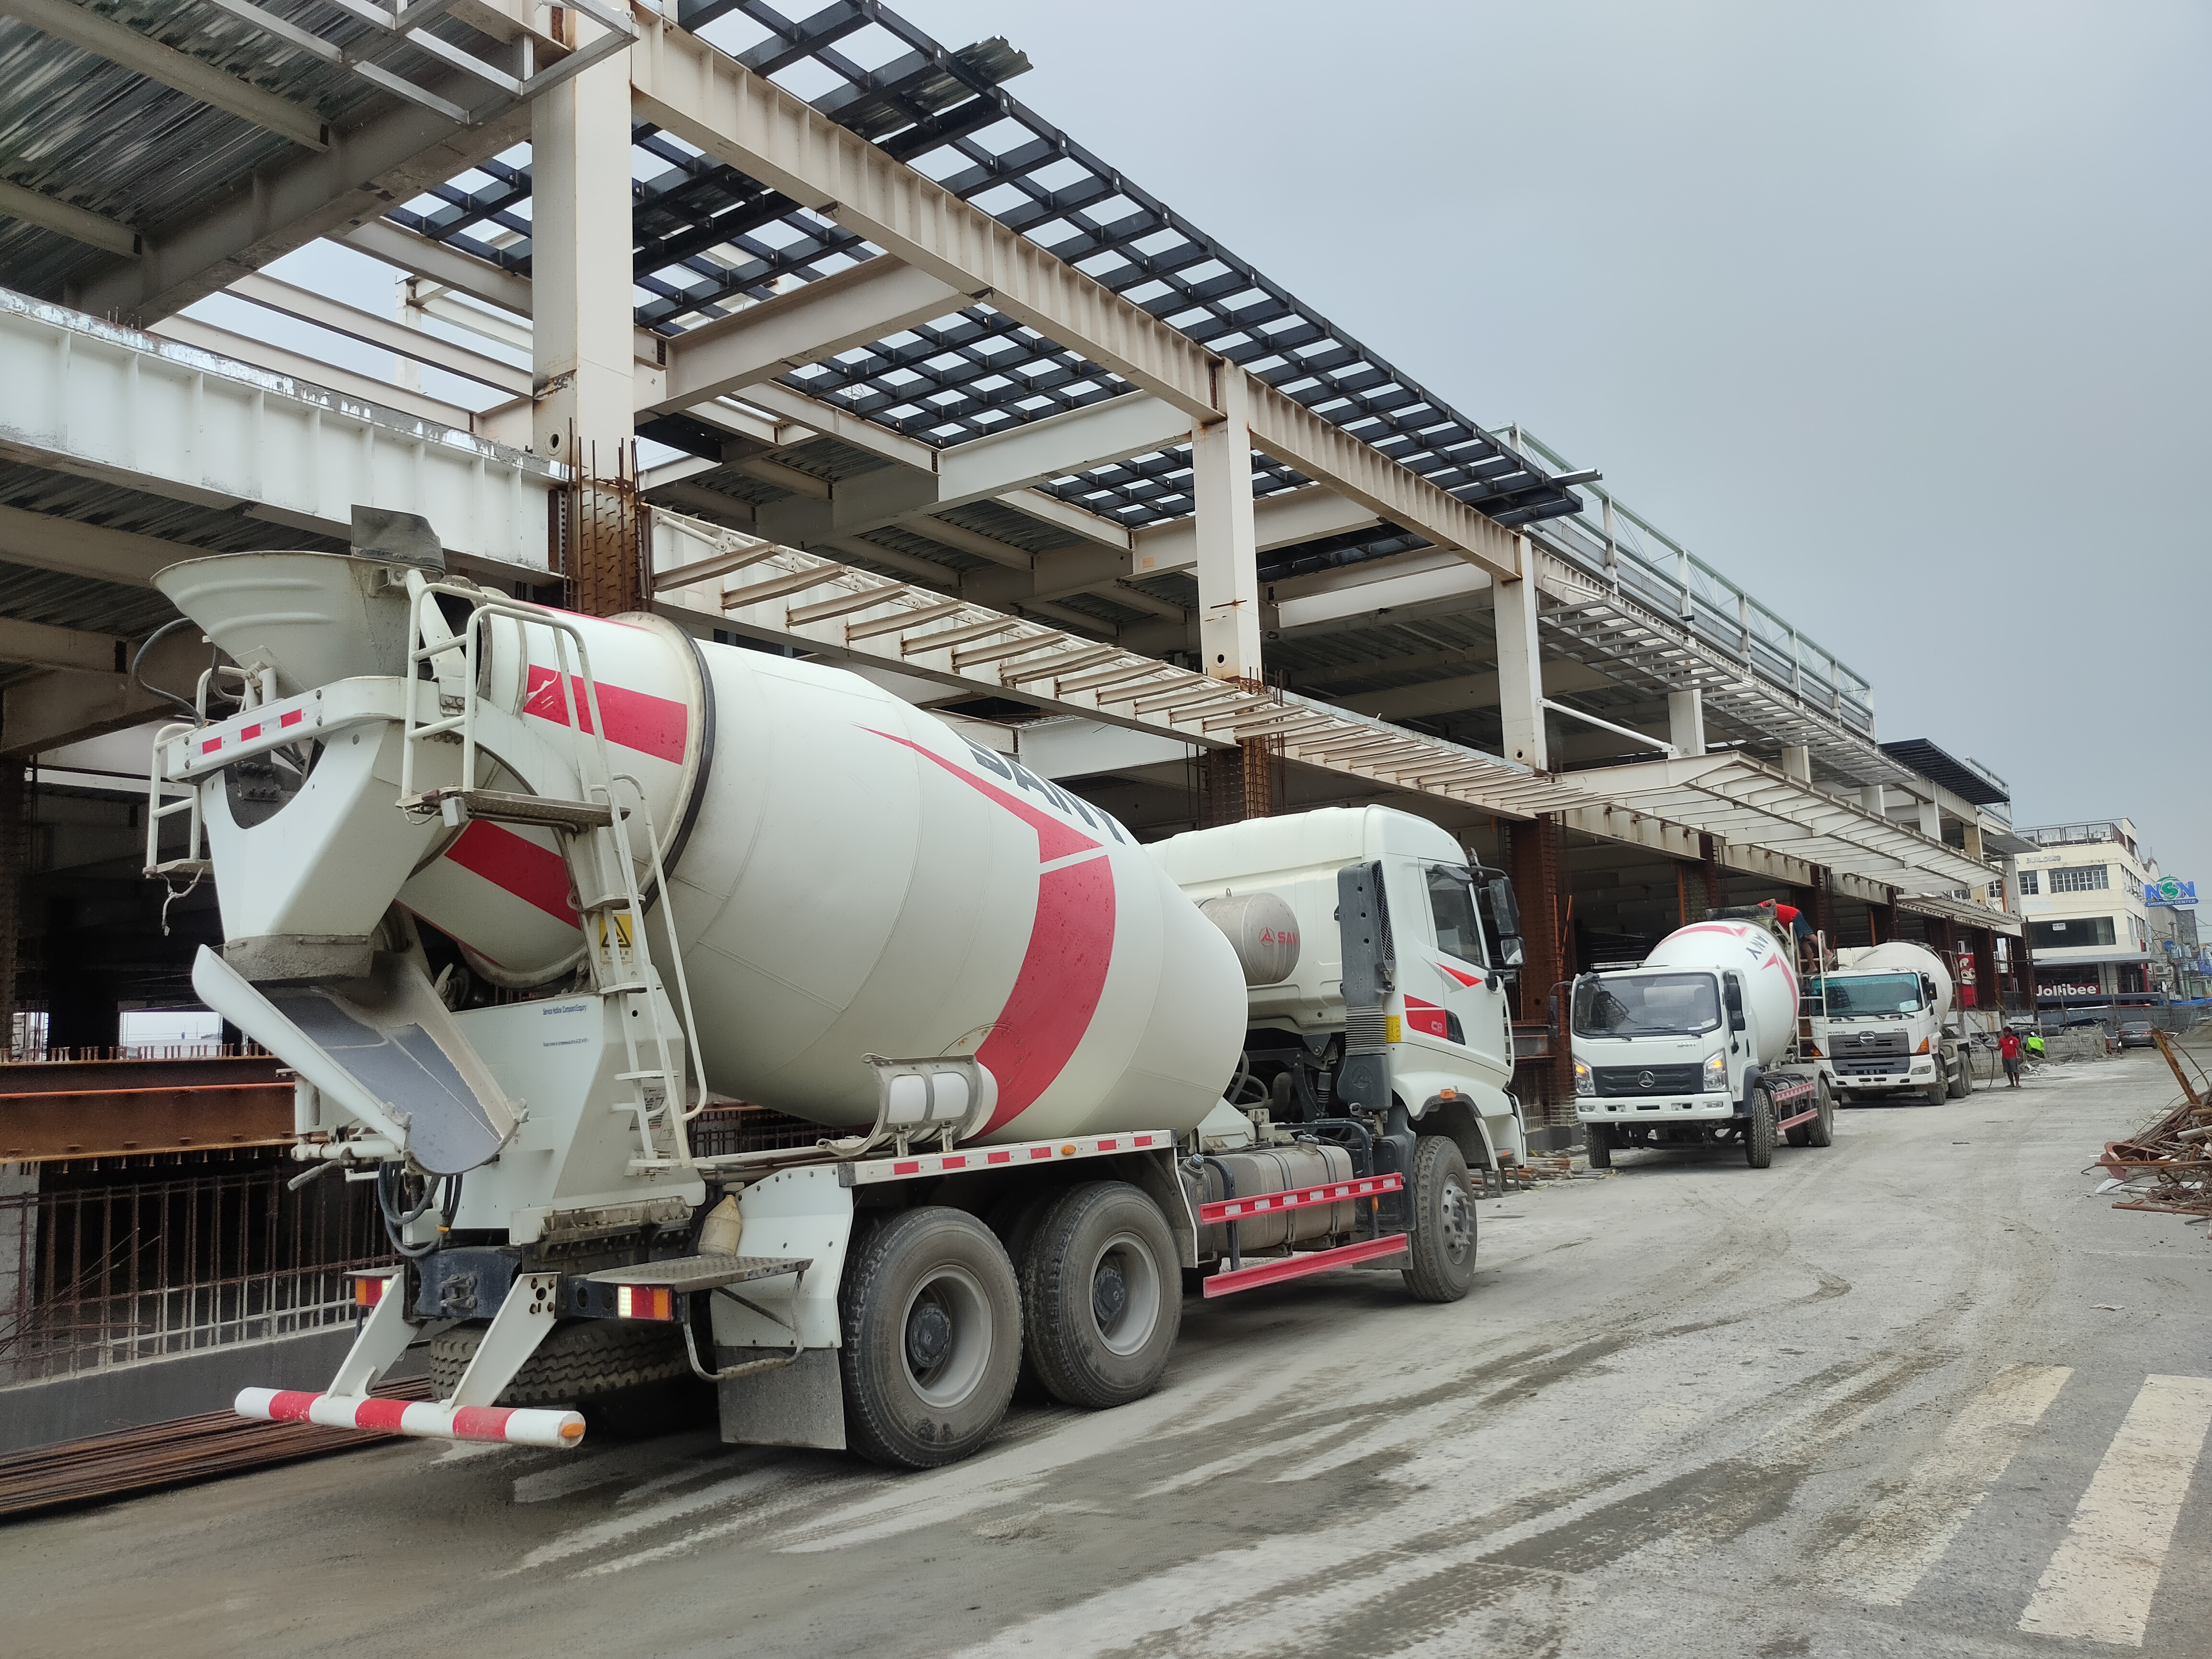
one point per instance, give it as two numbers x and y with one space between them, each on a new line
2167 890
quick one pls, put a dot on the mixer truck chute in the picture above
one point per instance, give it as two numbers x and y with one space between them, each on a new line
518 894
1697 1046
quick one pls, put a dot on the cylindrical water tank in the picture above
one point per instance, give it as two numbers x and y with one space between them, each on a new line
1262 929
1770 983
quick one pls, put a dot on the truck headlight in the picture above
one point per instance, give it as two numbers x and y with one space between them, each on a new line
1717 1074
1583 1085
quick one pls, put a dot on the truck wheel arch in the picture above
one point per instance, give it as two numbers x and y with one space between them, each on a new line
1458 1120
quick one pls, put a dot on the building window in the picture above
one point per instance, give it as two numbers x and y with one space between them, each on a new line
2084 879
2031 883
2079 932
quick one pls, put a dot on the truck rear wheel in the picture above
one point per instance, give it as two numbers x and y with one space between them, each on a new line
1440 1255
1759 1132
1101 1296
933 1329
1598 1137
1962 1075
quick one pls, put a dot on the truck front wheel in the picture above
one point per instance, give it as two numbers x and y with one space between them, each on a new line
1101 1296
1598 1137
1440 1255
932 1335
1758 1131
1821 1130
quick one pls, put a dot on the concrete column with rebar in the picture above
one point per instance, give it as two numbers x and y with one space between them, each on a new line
583 331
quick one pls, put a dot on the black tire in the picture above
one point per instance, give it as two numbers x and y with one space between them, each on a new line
581 1360
1821 1132
1962 1078
1598 1137
932 1327
1440 1257
1938 1091
1101 1296
1759 1130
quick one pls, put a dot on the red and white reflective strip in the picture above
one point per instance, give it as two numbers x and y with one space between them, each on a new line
423 1419
265 728
1797 1089
995 1157
1331 1192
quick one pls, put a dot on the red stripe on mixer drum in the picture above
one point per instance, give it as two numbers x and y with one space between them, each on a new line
636 719
1064 968
537 875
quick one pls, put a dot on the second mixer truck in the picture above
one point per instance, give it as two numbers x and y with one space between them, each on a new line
519 895
1697 1045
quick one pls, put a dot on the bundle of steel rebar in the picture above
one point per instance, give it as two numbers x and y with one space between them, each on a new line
2173 1154
171 1454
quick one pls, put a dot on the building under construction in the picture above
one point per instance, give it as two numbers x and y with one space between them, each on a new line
891 374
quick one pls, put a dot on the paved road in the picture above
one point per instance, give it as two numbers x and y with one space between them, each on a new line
1866 1403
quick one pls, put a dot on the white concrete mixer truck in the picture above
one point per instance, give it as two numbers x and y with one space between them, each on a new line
1882 1025
1697 1046
517 895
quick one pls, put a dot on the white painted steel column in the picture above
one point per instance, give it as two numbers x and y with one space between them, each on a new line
1870 797
1520 669
1797 762
581 302
1931 820
1228 543
1685 722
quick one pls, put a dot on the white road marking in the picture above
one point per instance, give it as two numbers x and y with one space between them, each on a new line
2100 1583
1884 1561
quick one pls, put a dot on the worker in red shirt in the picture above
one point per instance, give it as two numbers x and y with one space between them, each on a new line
1791 918
2009 1048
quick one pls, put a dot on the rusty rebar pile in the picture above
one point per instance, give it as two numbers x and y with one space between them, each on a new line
2173 1154
171 1454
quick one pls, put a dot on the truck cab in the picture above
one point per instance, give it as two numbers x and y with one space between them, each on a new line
1656 1048
1430 978
1881 1032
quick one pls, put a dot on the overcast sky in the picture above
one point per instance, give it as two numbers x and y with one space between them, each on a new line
1895 313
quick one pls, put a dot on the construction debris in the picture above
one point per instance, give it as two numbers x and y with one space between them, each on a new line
2168 1165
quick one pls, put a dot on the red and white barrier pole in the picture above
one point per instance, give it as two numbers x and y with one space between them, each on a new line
424 1419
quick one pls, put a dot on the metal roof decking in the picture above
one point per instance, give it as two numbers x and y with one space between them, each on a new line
708 237
1968 780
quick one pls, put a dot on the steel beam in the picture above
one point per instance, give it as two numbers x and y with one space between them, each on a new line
288 300
40 646
88 397
389 157
1285 520
45 542
309 371
854 307
706 98
49 212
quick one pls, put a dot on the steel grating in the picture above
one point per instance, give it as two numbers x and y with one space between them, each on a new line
709 240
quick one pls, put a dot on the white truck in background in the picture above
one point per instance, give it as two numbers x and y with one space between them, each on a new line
1883 1025
1697 1046
519 895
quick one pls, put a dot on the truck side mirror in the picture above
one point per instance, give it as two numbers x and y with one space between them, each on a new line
1504 916
1732 1000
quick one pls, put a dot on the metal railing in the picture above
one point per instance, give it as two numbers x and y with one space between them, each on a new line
1632 556
96 1277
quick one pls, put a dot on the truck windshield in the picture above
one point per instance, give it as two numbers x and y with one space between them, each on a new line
1646 1005
1868 993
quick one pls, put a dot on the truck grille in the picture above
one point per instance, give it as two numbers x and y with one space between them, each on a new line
1852 1045
1646 1079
